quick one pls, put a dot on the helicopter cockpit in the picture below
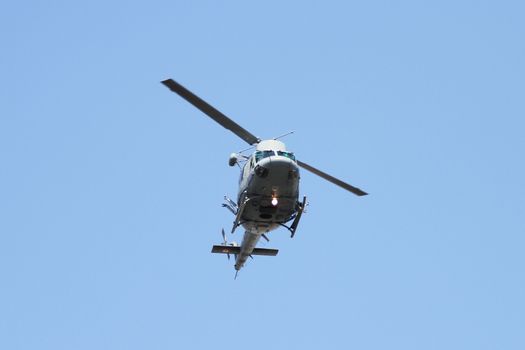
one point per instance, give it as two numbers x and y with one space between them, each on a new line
264 154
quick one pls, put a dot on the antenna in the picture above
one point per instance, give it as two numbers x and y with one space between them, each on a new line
283 135
247 149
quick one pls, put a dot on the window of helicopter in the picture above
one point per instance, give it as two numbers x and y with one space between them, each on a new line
286 154
263 154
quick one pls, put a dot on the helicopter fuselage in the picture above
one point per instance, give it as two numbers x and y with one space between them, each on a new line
268 193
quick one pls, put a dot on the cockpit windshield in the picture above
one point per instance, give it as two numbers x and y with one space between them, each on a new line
286 154
263 154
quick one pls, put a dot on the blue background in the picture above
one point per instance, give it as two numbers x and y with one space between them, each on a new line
111 185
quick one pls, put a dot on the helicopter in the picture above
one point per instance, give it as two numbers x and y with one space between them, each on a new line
268 195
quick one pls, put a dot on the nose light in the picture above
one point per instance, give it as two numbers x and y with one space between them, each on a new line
274 201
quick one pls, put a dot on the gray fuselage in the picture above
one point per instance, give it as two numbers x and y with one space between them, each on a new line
268 193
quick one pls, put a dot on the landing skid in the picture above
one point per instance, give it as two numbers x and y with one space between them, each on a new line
293 227
240 210
230 205
236 210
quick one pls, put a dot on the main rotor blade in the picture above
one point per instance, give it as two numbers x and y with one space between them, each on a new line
332 179
210 111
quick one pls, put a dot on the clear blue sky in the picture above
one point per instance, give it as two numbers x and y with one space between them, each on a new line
111 185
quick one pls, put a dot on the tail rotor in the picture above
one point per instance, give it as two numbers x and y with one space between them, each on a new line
225 242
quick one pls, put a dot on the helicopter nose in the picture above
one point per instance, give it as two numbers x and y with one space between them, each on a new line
277 167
